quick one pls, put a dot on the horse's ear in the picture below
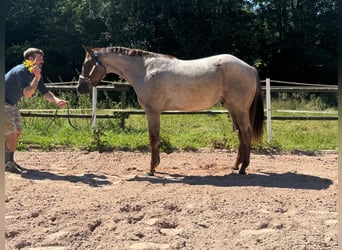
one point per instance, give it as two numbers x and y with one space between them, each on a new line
89 50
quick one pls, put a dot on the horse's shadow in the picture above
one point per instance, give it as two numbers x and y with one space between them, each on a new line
93 180
284 180
272 180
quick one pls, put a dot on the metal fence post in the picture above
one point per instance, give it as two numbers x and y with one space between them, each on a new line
268 110
94 102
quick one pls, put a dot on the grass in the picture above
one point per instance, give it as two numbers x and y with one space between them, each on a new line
179 131
304 135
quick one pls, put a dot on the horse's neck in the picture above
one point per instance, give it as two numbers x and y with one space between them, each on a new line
128 67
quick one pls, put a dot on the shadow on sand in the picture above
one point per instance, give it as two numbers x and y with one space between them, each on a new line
92 180
284 180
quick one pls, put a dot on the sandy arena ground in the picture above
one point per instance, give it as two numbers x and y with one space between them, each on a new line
79 200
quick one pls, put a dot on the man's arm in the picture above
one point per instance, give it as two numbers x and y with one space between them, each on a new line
50 97
31 88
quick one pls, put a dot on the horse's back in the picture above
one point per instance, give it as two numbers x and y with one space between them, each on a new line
233 73
221 59
195 84
237 79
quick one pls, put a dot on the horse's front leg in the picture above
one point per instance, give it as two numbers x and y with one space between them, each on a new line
153 119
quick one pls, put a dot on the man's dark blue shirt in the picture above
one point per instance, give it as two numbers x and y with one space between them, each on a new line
16 80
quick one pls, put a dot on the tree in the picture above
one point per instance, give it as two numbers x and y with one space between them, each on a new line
296 31
284 39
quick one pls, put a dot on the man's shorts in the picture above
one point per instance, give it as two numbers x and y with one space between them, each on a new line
12 119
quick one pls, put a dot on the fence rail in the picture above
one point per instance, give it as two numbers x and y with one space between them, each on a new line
118 113
123 113
116 86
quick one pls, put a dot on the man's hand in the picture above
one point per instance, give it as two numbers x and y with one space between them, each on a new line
36 70
50 97
61 103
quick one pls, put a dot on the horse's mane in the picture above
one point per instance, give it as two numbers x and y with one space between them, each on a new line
132 52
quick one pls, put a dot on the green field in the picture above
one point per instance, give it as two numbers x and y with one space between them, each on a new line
179 131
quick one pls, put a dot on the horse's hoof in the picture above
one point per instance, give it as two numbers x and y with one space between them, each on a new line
242 172
150 174
234 168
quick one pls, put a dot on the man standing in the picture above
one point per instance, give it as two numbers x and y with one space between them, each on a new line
22 81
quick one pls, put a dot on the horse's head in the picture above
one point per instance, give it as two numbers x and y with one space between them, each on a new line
92 72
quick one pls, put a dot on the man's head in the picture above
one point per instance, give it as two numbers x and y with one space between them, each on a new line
34 54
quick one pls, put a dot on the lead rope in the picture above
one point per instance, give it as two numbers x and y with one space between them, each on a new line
68 115
69 121
53 119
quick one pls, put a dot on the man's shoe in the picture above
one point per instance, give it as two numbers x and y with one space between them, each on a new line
23 170
12 167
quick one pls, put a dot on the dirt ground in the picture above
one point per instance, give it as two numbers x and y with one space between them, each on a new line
81 200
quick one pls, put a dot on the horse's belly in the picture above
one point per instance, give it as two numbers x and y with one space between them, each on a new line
192 101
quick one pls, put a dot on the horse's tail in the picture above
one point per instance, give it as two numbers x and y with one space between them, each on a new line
257 113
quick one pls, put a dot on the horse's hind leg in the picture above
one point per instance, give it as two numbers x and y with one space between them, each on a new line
238 160
153 120
244 150
238 157
245 138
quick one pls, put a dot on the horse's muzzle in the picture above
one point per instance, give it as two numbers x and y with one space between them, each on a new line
83 88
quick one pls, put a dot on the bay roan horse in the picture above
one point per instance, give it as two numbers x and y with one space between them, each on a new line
163 82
